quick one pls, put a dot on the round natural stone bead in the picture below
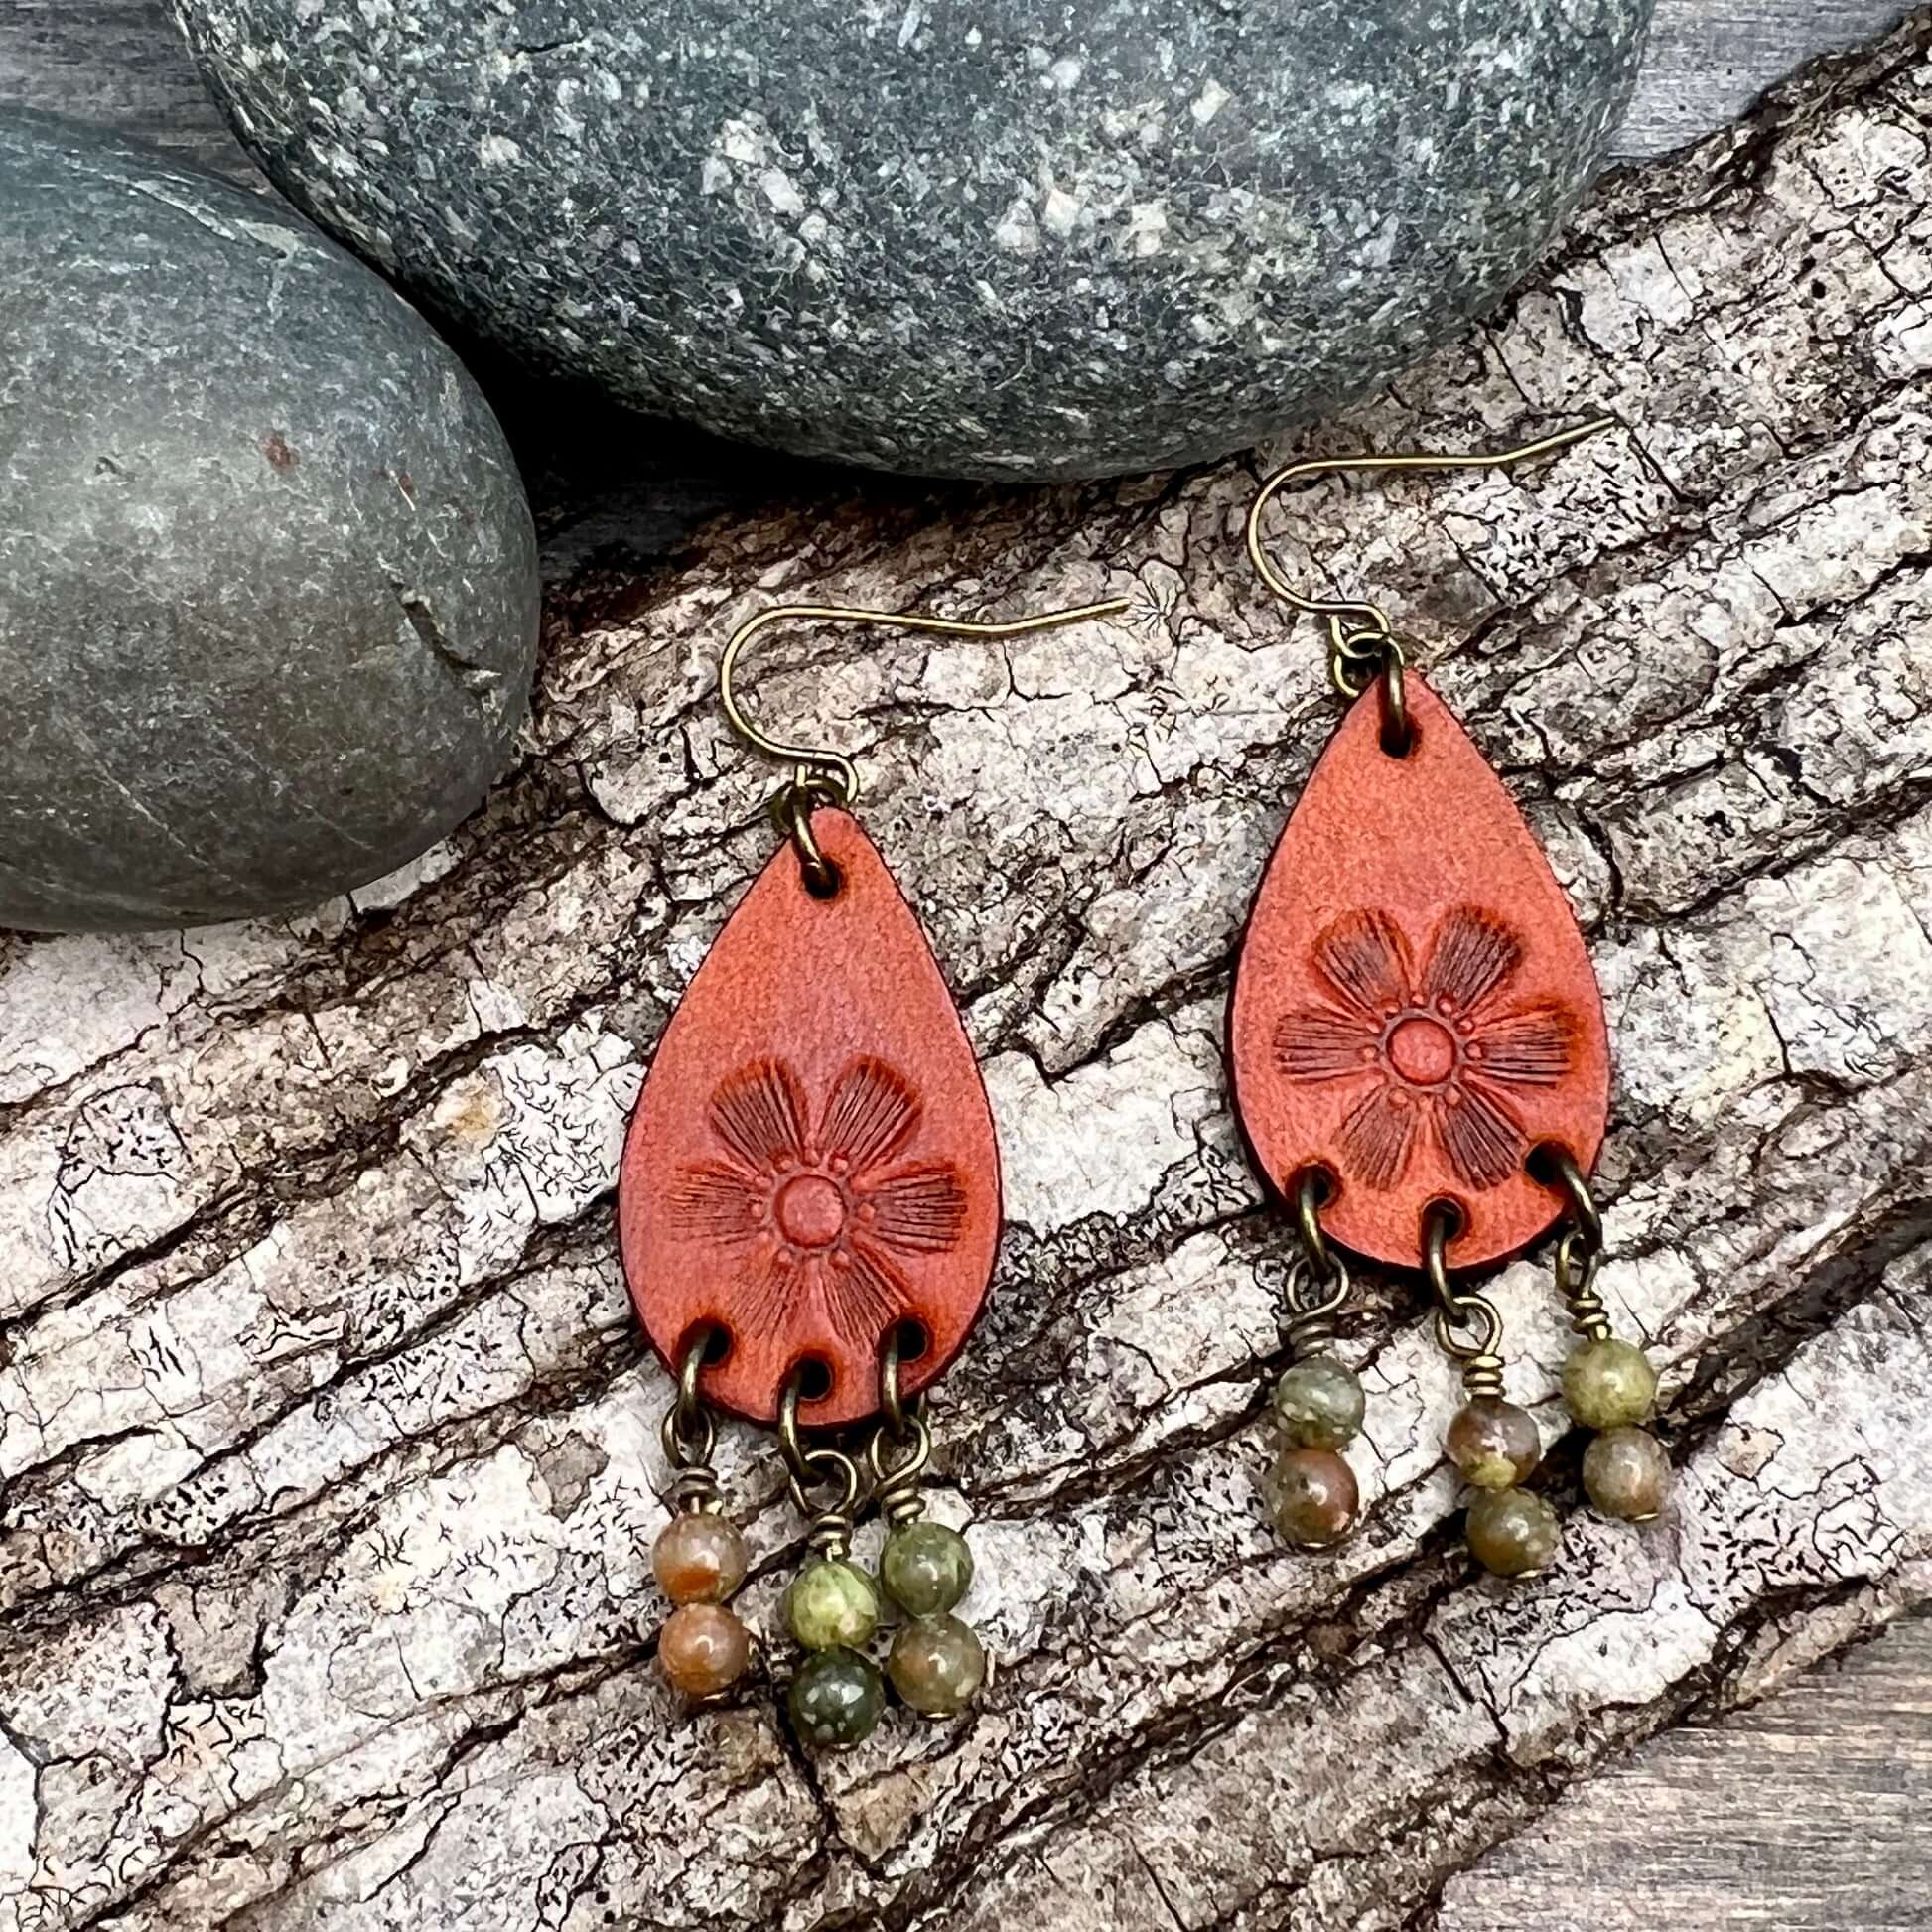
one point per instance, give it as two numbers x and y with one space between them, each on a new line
936 1665
1493 1443
1608 1383
1319 1403
699 1558
704 1649
832 1605
926 1567
1313 1497
1512 1531
1626 1473
836 1698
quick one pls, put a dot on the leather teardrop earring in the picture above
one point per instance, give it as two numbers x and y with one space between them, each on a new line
1421 1066
809 1213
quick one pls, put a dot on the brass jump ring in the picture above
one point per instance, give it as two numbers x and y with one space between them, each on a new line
900 1415
1398 732
1311 1190
688 1433
1440 1219
790 1444
793 808
690 1402
1573 1184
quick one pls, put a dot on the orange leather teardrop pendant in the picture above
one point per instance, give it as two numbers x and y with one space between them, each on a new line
812 1160
1415 1008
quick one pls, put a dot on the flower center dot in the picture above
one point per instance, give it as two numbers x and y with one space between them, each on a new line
810 1211
1421 1051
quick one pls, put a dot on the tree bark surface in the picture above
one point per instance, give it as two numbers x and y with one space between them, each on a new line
328 1439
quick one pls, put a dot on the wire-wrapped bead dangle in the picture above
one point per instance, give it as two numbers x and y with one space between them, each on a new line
1609 1385
937 1664
1492 1442
700 1557
831 1609
1317 1403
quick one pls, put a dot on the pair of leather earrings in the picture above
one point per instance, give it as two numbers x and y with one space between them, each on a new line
809 1204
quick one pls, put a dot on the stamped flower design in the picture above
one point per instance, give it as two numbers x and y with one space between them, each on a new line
1438 1051
824 1209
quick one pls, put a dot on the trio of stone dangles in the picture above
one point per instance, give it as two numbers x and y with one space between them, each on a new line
1608 1386
832 1607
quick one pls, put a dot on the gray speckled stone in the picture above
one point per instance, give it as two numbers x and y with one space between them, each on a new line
268 584
999 239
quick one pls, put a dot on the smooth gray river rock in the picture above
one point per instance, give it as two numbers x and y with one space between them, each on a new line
977 237
268 580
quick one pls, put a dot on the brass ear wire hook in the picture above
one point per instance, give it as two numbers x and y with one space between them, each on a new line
820 773
1345 641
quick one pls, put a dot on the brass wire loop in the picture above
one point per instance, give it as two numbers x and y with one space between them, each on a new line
1312 1312
895 1485
822 775
1481 1359
1362 643
1357 657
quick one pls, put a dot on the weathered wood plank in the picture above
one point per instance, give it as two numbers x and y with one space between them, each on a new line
1812 1813
1709 60
119 63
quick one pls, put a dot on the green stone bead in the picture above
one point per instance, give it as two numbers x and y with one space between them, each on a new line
1512 1531
1609 1384
926 1567
1493 1443
836 1700
1319 1403
1313 1497
1627 1475
936 1665
832 1605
